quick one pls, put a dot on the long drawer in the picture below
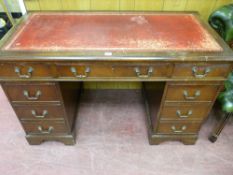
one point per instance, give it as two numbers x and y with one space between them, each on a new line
34 92
96 70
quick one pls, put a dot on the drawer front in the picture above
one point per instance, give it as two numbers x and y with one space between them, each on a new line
201 71
178 127
39 112
32 92
185 112
191 93
45 127
162 70
82 71
25 70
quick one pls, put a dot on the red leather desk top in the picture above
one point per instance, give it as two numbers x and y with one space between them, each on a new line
112 32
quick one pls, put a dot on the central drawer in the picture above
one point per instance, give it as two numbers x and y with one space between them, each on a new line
143 71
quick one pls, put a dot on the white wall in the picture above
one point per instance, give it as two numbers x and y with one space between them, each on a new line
13 4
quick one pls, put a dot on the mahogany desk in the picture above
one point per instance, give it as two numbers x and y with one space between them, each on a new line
46 53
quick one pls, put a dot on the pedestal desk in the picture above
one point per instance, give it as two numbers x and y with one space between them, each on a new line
47 56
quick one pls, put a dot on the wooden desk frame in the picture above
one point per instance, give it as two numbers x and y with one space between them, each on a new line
192 88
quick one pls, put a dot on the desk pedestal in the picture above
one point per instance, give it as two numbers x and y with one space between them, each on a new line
177 113
47 110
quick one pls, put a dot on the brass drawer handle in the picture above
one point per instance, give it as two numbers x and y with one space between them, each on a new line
42 131
139 75
28 75
36 97
199 74
187 97
44 113
182 129
74 71
190 112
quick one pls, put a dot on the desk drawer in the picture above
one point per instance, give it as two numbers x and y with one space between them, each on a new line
178 127
45 127
82 71
191 92
185 112
158 70
39 112
32 92
25 70
201 71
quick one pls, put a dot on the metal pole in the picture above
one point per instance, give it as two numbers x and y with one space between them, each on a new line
6 9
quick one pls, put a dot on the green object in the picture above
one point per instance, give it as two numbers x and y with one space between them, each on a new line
222 21
226 97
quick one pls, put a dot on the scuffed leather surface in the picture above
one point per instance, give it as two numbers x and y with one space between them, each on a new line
112 32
